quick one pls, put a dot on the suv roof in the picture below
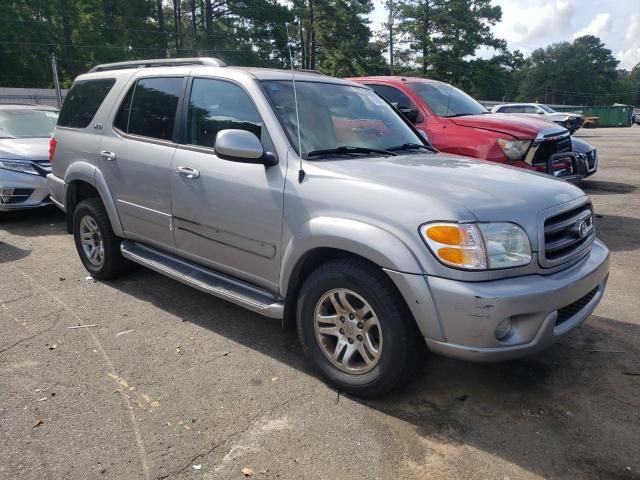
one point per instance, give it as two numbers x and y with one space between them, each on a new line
204 65
396 79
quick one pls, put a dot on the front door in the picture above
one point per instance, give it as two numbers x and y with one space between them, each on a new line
136 158
228 215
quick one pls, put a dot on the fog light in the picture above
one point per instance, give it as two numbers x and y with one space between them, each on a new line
5 194
503 330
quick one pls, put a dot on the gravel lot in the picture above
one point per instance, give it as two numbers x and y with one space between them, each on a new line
172 383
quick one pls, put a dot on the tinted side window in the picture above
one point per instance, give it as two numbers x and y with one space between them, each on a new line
530 109
121 122
218 105
153 107
83 101
392 95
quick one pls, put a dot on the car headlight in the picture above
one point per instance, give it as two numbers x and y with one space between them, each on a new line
514 149
480 246
18 166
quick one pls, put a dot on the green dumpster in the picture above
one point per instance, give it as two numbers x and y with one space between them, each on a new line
614 116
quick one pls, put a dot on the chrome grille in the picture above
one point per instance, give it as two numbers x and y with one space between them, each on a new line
567 235
551 145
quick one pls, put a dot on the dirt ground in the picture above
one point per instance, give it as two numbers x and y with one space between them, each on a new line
173 384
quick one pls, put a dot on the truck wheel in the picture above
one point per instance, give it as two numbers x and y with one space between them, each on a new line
356 329
97 245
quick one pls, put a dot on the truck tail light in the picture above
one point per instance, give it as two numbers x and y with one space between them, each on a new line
53 143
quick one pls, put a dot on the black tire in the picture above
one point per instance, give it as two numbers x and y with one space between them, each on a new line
402 342
113 263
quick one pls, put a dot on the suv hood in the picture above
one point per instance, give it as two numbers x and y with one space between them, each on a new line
417 188
523 128
24 148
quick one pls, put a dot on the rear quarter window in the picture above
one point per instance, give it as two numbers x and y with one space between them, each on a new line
83 101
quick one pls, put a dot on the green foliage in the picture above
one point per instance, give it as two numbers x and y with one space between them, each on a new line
582 72
334 37
433 38
439 34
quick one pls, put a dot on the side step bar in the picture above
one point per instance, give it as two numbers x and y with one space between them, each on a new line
222 286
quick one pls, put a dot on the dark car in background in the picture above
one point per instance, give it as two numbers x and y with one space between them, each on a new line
25 131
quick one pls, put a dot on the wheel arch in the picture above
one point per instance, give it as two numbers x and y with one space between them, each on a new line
83 181
322 240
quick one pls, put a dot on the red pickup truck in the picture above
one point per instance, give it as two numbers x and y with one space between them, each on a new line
456 123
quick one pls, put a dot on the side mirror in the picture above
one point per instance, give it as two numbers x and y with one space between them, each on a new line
410 114
242 146
540 112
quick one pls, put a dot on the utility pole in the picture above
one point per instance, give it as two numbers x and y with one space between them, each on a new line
54 68
390 25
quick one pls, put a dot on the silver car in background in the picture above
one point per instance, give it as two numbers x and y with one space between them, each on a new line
25 131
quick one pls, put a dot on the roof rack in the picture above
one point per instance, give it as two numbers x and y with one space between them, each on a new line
159 62
307 70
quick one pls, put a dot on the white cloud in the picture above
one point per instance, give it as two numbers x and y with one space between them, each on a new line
599 26
530 24
631 56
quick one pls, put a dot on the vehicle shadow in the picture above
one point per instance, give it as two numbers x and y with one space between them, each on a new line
9 253
34 222
620 233
601 187
549 414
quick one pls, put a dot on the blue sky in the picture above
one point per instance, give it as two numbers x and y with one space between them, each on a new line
530 24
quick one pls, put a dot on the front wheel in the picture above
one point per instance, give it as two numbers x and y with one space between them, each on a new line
356 329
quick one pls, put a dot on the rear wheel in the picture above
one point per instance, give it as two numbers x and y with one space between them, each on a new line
97 245
356 329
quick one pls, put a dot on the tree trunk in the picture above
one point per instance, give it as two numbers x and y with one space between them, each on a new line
71 65
162 28
312 39
194 27
194 23
177 16
303 45
426 26
209 23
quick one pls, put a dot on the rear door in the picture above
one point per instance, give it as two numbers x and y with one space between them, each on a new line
136 157
228 215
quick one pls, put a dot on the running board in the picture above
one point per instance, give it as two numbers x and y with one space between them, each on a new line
222 286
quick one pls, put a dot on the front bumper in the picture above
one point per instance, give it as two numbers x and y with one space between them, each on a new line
20 191
459 319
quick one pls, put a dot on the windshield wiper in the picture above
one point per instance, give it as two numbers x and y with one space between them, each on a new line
411 146
347 150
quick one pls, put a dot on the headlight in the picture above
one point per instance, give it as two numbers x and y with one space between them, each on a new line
514 149
480 246
18 166
507 245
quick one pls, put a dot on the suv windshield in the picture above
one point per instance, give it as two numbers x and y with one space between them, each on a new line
547 109
447 101
27 123
337 115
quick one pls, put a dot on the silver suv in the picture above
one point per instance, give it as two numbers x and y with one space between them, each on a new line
310 199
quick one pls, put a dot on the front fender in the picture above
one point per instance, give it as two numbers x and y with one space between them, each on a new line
85 172
373 243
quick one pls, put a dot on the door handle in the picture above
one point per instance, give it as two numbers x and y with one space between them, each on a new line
109 156
188 172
